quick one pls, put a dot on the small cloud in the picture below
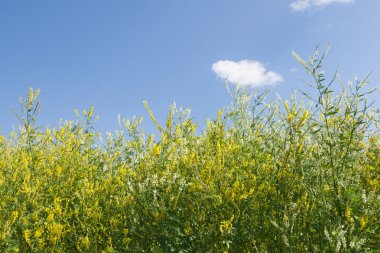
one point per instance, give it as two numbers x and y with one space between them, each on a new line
246 73
293 70
302 5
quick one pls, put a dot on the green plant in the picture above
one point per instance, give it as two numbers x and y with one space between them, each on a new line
298 176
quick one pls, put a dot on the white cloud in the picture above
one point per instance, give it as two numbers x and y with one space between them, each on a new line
301 5
246 73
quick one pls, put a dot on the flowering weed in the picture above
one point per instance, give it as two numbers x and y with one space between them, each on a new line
289 176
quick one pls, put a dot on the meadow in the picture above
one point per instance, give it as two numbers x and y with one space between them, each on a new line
285 176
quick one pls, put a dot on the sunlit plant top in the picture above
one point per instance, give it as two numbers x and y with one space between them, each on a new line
288 176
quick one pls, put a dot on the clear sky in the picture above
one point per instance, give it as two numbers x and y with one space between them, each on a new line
115 54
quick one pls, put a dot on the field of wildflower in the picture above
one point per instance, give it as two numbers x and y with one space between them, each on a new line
287 176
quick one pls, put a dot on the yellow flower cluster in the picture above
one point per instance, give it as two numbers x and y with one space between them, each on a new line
291 181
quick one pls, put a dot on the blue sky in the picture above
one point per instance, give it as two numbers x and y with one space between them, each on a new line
115 54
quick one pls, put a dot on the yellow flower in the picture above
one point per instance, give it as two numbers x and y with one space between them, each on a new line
304 117
27 233
286 105
156 150
38 232
59 171
187 230
246 195
126 241
14 216
363 221
225 226
86 242
50 217
349 215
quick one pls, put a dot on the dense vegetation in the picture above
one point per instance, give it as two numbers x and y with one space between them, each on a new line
298 176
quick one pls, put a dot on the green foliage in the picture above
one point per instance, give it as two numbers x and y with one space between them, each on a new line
298 176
